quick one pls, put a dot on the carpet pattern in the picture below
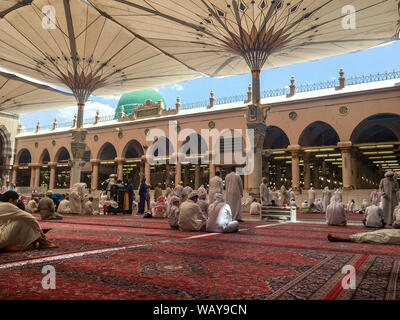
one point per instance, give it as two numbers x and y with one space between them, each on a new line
148 260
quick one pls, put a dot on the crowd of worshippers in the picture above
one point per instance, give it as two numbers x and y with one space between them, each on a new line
189 210
381 210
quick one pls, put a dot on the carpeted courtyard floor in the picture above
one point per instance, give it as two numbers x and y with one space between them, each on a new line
128 257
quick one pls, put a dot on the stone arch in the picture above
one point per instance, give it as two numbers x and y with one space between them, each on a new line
44 157
23 157
107 152
161 146
275 138
194 144
133 149
383 127
318 133
62 155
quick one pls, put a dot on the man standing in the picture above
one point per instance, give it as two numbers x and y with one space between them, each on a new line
216 186
388 188
131 194
142 195
311 195
264 192
157 191
234 194
179 190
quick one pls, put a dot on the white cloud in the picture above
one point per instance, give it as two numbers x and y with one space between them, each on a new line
67 114
177 87
110 97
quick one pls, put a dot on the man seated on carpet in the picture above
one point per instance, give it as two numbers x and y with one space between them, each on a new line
220 217
32 206
173 212
255 208
203 204
19 230
88 207
335 213
396 216
374 217
191 218
47 209
63 207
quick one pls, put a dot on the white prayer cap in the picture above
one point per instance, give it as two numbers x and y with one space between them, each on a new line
49 193
192 195
175 199
389 174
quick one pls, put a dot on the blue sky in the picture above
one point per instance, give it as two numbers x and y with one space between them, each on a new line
379 59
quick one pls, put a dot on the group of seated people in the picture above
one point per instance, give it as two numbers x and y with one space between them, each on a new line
192 212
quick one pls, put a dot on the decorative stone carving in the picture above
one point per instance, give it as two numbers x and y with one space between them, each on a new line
148 110
97 117
55 123
38 126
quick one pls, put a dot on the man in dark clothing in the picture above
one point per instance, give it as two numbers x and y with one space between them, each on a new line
142 195
131 193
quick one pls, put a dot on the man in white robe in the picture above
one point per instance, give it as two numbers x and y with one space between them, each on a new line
283 201
311 195
88 207
326 198
255 208
202 202
220 217
335 213
63 207
191 218
216 186
388 188
173 212
234 194
32 206
264 193
19 230
374 217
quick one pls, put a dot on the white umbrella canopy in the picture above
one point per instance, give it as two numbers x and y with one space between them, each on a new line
69 44
227 37
21 96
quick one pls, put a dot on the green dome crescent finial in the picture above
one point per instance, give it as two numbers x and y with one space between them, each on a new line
128 100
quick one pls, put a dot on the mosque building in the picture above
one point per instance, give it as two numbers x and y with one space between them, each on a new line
340 134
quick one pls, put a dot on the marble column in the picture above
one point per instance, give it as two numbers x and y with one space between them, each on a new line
196 176
95 173
295 150
307 173
147 172
345 148
32 181
211 166
14 174
120 167
37 176
52 181
178 172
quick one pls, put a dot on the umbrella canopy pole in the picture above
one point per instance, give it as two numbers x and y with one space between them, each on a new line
256 86
81 107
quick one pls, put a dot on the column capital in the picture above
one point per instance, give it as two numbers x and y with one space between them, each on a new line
294 148
345 144
15 166
52 164
34 165
119 160
95 161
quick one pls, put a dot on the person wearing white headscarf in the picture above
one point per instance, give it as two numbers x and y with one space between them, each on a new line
63 207
388 188
326 198
311 195
374 216
203 204
179 190
173 212
335 213
338 195
216 186
255 208
234 194
191 218
265 192
32 206
220 217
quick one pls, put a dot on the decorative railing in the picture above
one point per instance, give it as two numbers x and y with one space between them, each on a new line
243 97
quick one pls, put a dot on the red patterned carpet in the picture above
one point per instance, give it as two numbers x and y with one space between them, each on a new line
109 257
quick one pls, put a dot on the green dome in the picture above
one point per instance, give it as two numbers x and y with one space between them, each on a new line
128 100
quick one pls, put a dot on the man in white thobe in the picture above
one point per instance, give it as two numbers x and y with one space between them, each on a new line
220 217
255 208
179 190
173 212
265 193
335 213
388 188
311 195
216 186
326 198
374 217
234 194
